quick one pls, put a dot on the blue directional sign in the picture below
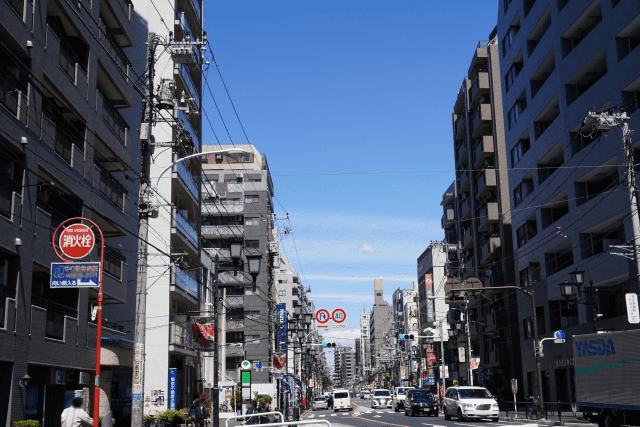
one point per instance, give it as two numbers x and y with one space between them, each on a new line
559 335
75 274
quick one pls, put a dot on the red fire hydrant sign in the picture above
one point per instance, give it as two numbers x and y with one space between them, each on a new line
76 241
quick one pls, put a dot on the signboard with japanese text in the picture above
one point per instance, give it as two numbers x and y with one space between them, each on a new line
75 275
461 355
76 241
173 377
281 309
633 313
428 284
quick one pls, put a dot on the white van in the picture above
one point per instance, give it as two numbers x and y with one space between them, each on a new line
342 400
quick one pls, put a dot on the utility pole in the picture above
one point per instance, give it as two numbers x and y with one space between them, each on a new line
216 392
144 209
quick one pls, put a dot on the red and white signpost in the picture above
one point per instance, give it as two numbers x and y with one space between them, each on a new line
74 239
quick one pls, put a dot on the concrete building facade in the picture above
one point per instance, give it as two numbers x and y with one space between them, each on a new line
380 331
558 60
69 111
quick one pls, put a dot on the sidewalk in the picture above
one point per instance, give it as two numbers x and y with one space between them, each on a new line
552 419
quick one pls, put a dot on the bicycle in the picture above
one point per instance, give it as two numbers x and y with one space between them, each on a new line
152 422
224 407
533 408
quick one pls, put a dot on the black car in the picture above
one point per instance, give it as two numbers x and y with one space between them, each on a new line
420 401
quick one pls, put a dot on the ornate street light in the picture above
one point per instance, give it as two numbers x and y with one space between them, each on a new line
235 253
254 268
577 278
566 289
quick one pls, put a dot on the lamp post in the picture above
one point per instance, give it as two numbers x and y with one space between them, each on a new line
577 279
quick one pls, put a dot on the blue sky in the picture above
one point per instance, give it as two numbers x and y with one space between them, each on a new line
351 103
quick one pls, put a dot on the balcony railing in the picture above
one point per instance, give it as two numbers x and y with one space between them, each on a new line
229 279
185 281
56 313
109 186
184 227
188 127
186 28
180 334
11 91
217 231
114 49
187 178
188 81
222 208
113 119
235 301
235 349
235 324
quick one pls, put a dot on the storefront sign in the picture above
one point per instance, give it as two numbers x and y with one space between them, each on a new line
172 388
281 309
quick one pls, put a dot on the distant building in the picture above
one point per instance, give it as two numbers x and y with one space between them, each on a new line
380 330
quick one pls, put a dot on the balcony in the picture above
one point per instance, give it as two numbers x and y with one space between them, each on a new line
113 119
185 228
461 152
467 239
479 87
459 128
490 250
483 150
233 187
448 218
488 215
463 181
223 254
55 317
486 181
223 208
235 349
235 301
184 281
189 129
232 376
185 175
222 231
113 48
228 279
185 32
109 186
235 325
465 208
180 335
183 71
481 120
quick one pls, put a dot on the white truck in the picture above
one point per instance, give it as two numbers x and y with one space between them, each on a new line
607 373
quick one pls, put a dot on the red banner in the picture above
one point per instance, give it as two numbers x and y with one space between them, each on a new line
203 334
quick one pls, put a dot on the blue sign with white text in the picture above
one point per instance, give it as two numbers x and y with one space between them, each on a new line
75 274
281 309
172 388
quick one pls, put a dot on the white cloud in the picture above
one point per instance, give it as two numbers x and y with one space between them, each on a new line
366 249
353 278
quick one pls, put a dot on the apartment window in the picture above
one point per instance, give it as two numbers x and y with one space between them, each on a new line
580 28
113 260
526 232
516 111
282 293
601 182
586 77
530 275
11 173
522 191
580 140
550 162
631 100
251 221
539 78
539 31
528 328
252 314
252 244
550 112
110 187
556 261
528 5
509 38
519 151
251 198
513 72
252 339
628 39
595 243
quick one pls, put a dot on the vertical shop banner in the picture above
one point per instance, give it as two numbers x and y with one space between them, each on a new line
172 388
281 309
428 284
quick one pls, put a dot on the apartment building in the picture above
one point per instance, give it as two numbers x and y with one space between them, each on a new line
237 206
344 367
569 206
363 348
483 216
69 111
380 331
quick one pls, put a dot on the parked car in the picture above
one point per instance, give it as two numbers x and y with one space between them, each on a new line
399 395
320 402
470 402
342 400
381 398
420 401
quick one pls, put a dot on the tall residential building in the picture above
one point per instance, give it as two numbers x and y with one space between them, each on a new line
237 206
69 110
363 344
558 60
405 318
380 331
484 218
344 367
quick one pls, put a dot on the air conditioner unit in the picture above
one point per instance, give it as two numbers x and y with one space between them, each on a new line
219 156
239 175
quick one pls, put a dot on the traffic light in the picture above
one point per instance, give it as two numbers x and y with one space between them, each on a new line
406 336
328 344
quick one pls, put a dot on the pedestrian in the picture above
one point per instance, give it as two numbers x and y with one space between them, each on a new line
263 418
198 413
75 416
331 401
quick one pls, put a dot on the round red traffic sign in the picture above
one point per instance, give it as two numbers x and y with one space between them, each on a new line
76 241
322 316
432 357
339 315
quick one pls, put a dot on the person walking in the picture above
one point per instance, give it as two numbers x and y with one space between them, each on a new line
75 416
198 412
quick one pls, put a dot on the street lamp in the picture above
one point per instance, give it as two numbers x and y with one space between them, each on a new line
254 268
566 289
577 278
235 253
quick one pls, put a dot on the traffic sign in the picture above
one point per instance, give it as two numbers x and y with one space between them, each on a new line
76 241
259 366
322 316
475 362
559 336
75 274
432 357
245 365
339 315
